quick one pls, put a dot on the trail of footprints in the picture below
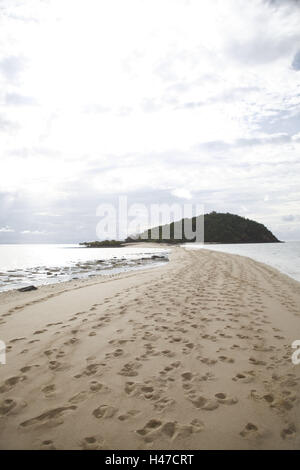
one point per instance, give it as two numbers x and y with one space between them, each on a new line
161 330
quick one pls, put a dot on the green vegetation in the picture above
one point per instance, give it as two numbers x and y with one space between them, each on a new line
103 244
220 228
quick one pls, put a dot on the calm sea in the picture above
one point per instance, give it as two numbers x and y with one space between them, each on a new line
23 265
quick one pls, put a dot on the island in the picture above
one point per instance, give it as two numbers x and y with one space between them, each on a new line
218 228
103 244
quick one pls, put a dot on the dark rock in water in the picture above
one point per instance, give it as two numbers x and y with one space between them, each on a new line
159 257
26 289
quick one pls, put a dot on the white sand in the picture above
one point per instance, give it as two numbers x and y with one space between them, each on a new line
192 355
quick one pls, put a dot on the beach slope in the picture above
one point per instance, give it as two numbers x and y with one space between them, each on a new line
195 354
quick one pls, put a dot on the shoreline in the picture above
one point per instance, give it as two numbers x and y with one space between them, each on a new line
194 354
122 265
265 265
42 275
96 279
281 266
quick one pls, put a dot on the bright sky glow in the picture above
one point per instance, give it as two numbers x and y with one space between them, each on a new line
165 101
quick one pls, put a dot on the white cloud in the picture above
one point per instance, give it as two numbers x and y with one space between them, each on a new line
296 137
182 193
6 229
33 232
147 96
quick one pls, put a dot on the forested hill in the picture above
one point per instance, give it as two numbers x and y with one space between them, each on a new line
223 228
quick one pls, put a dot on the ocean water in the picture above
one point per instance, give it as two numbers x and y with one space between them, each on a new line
23 265
283 256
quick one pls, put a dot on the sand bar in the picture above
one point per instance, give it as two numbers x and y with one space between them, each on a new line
195 354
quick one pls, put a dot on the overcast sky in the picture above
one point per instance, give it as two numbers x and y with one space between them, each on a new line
161 100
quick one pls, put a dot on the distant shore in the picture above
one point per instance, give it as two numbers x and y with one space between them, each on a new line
195 354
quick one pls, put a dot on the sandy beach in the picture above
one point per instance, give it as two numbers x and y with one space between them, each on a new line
195 354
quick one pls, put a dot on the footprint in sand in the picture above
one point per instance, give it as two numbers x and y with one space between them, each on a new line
91 369
288 432
49 352
257 362
15 340
97 387
92 443
10 405
117 353
244 377
168 353
223 399
140 390
164 403
50 417
149 427
11 382
228 360
130 369
204 403
57 366
128 415
48 445
49 390
187 376
208 361
105 411
156 429
269 398
283 404
251 431
71 341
